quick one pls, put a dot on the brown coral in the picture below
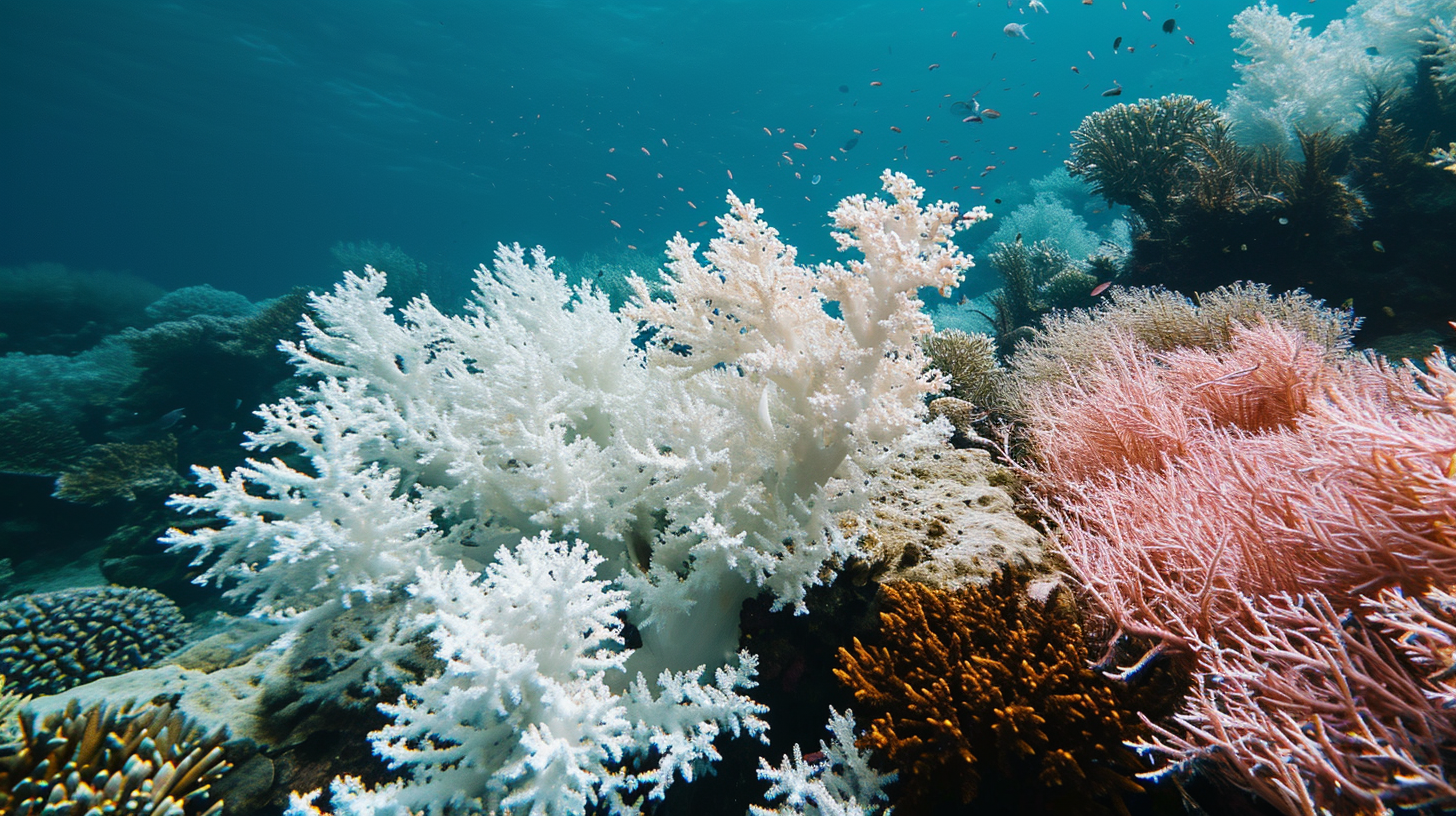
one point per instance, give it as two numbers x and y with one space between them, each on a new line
107 759
987 682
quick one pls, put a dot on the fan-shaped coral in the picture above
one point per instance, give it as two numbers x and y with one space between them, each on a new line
52 641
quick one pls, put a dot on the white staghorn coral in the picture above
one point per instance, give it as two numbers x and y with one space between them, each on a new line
522 719
1294 79
699 472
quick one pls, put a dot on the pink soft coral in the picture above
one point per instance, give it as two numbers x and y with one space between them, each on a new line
1222 503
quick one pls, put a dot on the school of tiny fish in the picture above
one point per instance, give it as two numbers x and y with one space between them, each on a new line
969 109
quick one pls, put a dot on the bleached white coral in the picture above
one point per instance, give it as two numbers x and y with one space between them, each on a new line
1293 79
522 718
700 472
839 782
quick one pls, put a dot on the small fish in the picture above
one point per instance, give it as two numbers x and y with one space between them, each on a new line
1036 5
1113 91
1016 30
814 180
767 132
1074 70
876 84
933 66
615 224
1086 2
1169 24
800 146
849 145
844 89
991 113
1372 51
892 127
1146 16
955 158
730 174
1189 39
857 132
1100 288
1117 43
645 151
1377 246
612 177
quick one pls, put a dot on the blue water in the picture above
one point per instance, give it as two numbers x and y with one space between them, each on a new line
233 143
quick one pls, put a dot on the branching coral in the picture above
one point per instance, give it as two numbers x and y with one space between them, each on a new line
1242 508
984 682
107 759
1137 154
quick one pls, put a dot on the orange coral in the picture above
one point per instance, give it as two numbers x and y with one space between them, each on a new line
987 680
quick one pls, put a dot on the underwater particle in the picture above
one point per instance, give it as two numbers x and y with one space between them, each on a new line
1169 24
53 641
814 180
109 759
1377 246
844 89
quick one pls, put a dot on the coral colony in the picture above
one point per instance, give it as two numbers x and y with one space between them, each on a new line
693 475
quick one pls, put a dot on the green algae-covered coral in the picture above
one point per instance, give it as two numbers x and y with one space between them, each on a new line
988 682
109 759
52 641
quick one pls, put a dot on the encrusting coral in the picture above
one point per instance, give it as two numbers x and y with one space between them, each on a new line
108 759
989 682
52 641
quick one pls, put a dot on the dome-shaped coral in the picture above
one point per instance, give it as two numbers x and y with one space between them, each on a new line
52 641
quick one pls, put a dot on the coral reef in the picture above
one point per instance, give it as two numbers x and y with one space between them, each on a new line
48 309
109 759
196 301
988 685
52 641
